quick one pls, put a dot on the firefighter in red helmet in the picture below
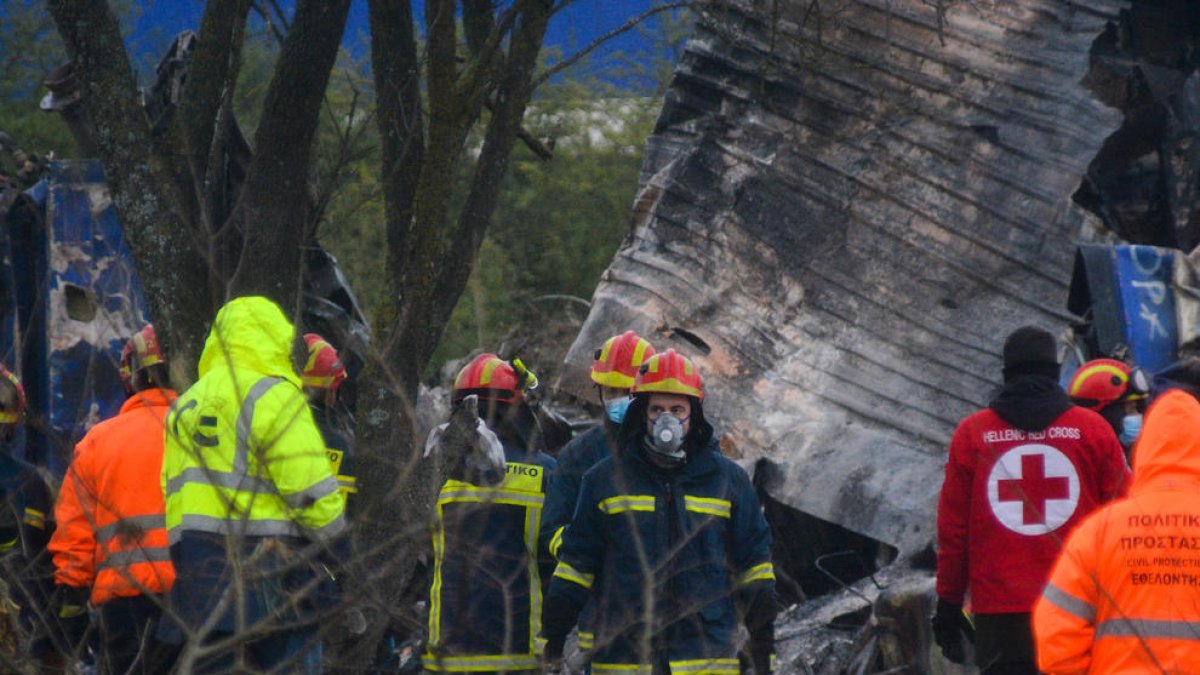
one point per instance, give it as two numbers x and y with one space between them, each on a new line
666 527
322 376
486 592
1115 390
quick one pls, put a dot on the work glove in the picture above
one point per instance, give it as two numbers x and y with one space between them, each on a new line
70 606
950 628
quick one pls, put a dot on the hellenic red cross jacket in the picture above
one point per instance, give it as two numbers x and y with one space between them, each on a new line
1011 497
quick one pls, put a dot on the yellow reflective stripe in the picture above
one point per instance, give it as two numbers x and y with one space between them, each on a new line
713 507
34 518
7 545
348 484
565 571
556 541
639 353
435 589
772 666
490 496
706 667
485 377
466 664
621 668
533 521
622 503
587 640
522 477
763 572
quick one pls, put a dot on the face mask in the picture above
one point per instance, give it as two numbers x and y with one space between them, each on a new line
617 408
1131 427
665 441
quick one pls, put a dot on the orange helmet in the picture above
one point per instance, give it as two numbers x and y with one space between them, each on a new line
141 351
324 369
669 373
13 413
1100 382
617 362
491 378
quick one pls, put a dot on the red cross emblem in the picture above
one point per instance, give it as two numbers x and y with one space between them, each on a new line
1033 489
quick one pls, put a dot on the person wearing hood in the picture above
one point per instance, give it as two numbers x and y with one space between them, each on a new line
668 541
253 510
1021 474
1124 596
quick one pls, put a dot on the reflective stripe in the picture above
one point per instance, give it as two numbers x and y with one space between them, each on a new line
348 484
708 666
222 479
621 668
490 495
533 520
242 527
133 525
311 494
622 503
245 423
765 571
1069 603
713 507
565 571
463 664
7 545
135 555
34 518
1150 628
587 640
556 541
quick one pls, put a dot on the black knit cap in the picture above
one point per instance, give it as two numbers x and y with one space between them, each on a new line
1030 350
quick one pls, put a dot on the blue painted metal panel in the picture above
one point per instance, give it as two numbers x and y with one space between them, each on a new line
1144 278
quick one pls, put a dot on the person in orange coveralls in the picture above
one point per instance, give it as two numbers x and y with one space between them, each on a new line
1124 596
111 541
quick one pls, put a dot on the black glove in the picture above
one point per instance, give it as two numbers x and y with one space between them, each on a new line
950 628
70 606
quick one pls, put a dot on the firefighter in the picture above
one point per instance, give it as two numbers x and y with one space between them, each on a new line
613 370
486 592
323 375
1124 596
1020 475
252 507
668 541
111 541
1116 391
26 523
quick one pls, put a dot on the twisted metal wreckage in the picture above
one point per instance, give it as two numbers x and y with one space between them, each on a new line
842 213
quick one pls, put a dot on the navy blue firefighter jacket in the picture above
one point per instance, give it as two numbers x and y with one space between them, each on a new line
485 599
691 537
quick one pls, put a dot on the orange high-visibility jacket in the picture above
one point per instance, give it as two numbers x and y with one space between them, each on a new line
111 532
1124 596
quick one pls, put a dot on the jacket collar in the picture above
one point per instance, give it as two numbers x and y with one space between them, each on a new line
149 398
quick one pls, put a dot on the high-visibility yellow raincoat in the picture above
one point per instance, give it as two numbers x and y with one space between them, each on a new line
244 469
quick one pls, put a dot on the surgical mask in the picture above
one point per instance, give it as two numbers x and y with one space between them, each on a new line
1131 428
665 442
616 408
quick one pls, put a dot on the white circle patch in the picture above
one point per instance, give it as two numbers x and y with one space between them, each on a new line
1033 489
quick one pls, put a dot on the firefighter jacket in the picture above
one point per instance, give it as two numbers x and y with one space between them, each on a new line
244 472
580 455
1009 498
111 534
1124 596
485 601
26 516
686 540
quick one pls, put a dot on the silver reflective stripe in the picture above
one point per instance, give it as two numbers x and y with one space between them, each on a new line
245 422
1069 603
330 530
236 527
135 555
310 495
131 525
1149 628
225 479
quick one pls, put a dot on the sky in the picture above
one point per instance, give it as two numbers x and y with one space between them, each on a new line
574 27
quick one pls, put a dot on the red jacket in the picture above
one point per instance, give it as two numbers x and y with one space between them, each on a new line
1125 595
111 536
1011 497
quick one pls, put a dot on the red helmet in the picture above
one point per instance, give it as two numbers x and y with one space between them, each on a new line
491 378
1101 382
617 362
141 351
12 414
669 373
324 369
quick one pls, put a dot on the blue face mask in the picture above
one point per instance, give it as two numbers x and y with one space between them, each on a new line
617 408
1131 427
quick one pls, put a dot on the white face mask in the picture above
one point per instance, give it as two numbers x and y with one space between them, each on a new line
1131 428
665 441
